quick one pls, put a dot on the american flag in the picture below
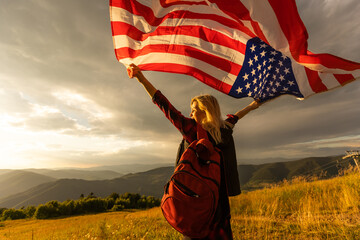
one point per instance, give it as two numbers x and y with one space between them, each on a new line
242 48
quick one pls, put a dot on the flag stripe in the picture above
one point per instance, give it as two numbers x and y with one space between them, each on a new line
165 58
203 76
344 78
329 80
315 81
221 63
148 14
218 55
169 3
202 33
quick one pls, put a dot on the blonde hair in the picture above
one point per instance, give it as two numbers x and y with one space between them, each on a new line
212 122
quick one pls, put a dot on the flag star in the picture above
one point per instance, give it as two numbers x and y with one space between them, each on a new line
255 80
264 63
255 89
271 95
259 67
247 85
260 75
273 90
274 76
287 70
281 63
284 57
239 90
246 76
250 94
264 71
250 62
267 89
264 95
281 78
277 70
267 75
285 89
271 59
277 84
256 58
271 83
263 53
253 48
273 53
253 72
291 83
269 67
263 45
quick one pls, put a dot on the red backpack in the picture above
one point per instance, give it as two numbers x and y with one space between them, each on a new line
192 193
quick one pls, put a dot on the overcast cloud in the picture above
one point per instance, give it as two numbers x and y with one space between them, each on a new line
67 102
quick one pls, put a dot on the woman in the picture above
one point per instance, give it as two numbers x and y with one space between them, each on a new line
205 110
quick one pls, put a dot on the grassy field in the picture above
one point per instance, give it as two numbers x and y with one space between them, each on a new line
323 209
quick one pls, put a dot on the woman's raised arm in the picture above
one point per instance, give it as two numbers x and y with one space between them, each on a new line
134 71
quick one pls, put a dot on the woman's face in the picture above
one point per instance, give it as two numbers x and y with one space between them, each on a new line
196 113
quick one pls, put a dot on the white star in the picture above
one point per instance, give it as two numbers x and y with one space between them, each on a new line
284 57
271 59
264 63
285 89
274 76
273 53
246 76
267 89
277 70
259 67
256 58
267 75
255 80
273 90
291 83
255 89
287 70
277 84
269 67
253 48
247 85
239 90
271 83
281 63
253 72
281 78
263 53
250 94
263 45
250 62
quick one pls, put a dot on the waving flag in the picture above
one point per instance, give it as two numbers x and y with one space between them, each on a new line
242 48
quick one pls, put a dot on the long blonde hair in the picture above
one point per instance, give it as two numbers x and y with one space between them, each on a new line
213 121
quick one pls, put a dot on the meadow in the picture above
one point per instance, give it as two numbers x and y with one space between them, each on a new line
299 209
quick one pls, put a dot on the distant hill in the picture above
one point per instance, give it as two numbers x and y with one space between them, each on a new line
78 174
151 182
145 183
17 181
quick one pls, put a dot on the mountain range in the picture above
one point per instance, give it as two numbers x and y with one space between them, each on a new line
33 187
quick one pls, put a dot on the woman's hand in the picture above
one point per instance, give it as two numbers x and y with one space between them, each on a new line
134 71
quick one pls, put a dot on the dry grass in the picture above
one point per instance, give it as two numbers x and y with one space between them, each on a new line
299 209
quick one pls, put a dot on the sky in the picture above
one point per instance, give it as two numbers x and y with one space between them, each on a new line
65 101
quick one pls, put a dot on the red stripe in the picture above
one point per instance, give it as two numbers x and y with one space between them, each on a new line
142 10
218 62
291 25
169 3
329 61
239 12
188 70
344 78
315 81
120 28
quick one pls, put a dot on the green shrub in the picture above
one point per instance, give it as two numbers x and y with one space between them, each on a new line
12 214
